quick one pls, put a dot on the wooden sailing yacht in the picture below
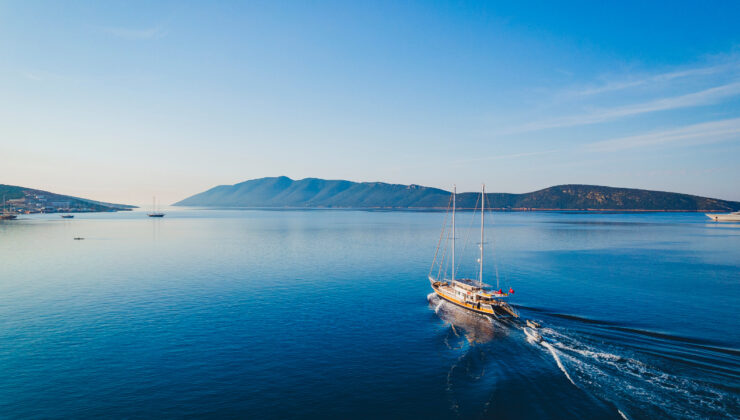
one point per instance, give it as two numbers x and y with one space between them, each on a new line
473 295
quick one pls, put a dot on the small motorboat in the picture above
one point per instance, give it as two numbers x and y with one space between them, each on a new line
68 216
77 238
533 324
532 335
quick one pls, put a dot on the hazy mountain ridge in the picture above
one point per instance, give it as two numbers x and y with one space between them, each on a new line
282 191
39 200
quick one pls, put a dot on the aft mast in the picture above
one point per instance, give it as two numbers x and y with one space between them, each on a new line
454 194
482 212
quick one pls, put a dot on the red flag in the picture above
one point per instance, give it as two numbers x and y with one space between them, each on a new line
500 291
511 290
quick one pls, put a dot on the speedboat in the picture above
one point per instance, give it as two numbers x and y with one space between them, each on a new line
532 335
532 324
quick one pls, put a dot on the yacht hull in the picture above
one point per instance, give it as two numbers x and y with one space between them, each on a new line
502 309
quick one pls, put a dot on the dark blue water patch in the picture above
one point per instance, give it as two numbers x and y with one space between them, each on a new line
326 314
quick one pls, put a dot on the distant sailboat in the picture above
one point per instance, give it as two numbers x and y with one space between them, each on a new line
6 215
471 294
154 212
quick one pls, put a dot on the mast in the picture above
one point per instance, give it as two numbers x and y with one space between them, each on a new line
482 212
454 194
154 204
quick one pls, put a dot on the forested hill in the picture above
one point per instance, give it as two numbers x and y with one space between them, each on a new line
283 192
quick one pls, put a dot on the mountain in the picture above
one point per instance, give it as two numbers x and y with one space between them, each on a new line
283 192
21 199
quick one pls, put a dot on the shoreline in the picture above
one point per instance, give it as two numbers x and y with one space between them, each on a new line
465 209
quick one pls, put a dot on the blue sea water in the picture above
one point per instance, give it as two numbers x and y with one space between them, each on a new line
328 314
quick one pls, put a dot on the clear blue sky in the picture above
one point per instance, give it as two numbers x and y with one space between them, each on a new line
119 101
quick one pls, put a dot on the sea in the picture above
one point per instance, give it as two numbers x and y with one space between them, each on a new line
328 314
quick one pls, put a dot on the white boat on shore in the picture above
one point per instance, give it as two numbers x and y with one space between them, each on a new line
725 217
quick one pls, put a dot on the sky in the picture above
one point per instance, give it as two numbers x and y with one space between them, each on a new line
121 101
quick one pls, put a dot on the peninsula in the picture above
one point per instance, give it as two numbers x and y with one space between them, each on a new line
283 192
29 200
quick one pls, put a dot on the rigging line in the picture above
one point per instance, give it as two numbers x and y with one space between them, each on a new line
467 236
444 254
441 234
493 244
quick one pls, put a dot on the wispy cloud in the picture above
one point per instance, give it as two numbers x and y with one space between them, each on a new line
39 75
30 75
704 97
617 85
703 133
504 156
136 33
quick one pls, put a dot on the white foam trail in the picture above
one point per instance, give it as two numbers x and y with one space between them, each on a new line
557 360
624 416
625 379
591 354
439 305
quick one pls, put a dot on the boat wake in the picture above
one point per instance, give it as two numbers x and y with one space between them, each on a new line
555 356
637 374
637 381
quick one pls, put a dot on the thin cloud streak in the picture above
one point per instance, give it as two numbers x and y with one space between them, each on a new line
705 97
658 78
703 133
509 156
137 34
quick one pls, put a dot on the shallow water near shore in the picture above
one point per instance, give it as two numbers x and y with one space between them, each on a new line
328 314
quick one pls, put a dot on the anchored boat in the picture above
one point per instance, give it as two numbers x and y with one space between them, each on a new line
154 212
5 214
473 295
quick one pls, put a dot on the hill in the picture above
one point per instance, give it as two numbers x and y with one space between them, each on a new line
25 200
283 192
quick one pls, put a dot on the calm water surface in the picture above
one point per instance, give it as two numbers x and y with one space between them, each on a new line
328 314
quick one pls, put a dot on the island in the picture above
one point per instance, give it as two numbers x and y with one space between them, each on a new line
283 192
